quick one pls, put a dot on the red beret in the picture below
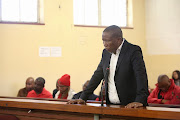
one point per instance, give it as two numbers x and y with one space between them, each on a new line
65 80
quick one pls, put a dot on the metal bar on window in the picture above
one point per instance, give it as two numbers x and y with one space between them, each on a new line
127 14
0 10
38 11
99 12
19 10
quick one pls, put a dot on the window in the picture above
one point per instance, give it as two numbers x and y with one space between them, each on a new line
100 12
21 11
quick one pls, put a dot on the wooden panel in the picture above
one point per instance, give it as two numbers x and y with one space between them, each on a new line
164 105
57 109
148 112
44 114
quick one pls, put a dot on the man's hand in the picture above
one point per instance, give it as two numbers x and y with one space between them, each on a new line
134 105
164 101
76 101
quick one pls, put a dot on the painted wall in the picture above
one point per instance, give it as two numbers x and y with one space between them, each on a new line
162 37
81 49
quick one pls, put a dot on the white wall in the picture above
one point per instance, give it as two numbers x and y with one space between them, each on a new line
163 26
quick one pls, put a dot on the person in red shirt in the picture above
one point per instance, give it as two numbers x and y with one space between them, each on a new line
39 90
166 92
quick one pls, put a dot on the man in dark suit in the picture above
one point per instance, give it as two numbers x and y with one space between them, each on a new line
123 69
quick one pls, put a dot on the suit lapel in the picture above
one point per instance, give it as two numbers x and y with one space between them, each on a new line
108 57
122 53
107 63
108 60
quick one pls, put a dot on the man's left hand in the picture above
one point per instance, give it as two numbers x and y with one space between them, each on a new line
134 105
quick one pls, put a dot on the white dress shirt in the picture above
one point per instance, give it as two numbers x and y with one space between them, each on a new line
112 92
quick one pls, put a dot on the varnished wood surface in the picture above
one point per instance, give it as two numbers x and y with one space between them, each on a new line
21 107
164 105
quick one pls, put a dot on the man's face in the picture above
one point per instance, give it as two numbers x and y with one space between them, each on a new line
164 86
111 44
29 84
63 88
38 86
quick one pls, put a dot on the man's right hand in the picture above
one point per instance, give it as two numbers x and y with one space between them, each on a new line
76 101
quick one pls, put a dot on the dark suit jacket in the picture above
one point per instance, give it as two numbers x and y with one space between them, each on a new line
91 97
130 76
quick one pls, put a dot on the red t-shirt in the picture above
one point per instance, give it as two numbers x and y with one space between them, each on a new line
43 94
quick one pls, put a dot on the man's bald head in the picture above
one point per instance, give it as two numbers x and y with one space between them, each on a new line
163 78
164 82
30 79
114 30
29 83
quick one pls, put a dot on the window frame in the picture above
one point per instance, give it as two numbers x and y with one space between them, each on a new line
40 15
129 17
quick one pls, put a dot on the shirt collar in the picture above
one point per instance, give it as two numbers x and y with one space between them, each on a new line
43 91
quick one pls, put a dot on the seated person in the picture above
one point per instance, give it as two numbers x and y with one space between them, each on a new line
64 88
91 97
29 86
166 92
55 90
176 77
39 90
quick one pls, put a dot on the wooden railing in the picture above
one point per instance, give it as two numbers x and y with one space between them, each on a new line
40 109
